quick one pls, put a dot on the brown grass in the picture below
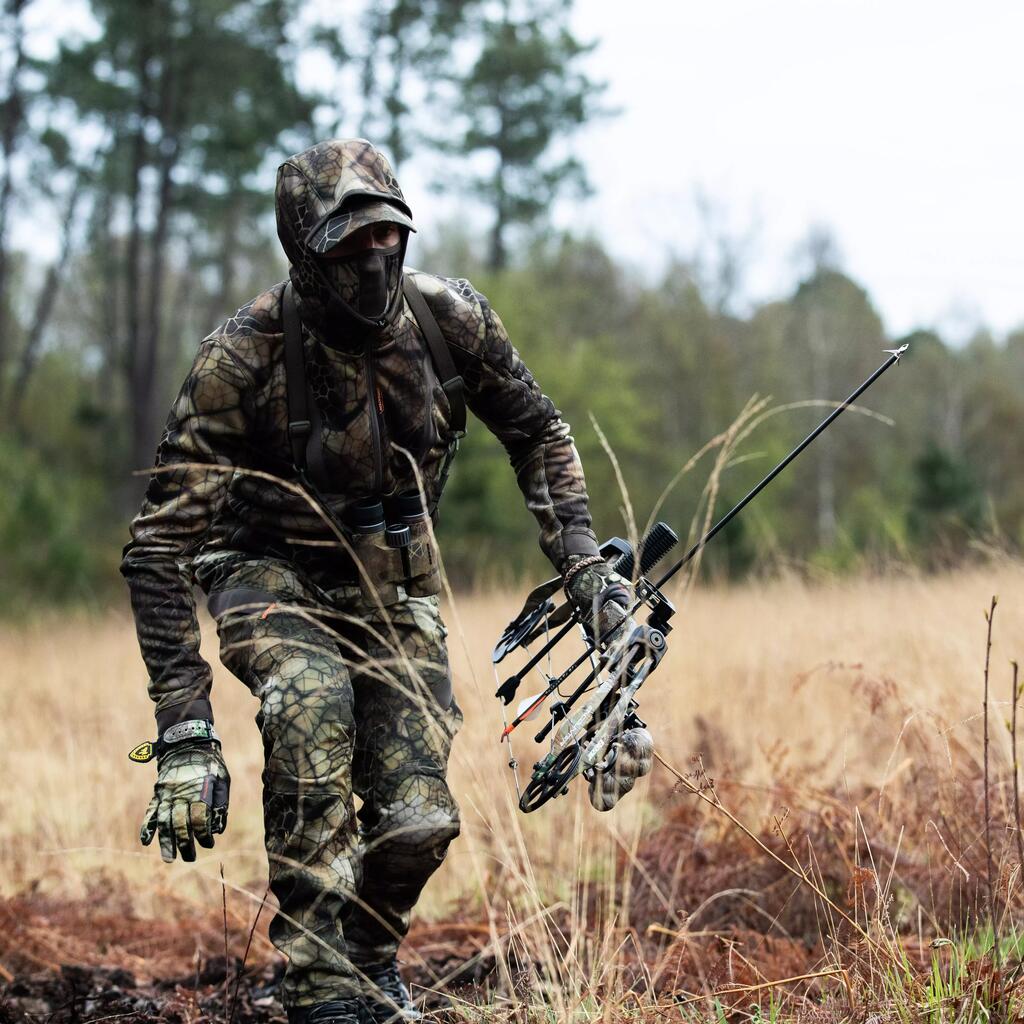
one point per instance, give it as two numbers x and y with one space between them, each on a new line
840 724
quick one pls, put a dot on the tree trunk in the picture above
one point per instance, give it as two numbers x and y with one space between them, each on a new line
45 303
393 103
134 361
223 301
11 118
146 414
498 258
194 322
108 251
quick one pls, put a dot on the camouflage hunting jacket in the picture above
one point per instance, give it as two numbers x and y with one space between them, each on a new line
225 455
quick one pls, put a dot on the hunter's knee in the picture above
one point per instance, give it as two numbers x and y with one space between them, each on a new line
418 821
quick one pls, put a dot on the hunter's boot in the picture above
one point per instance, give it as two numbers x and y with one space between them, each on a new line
398 1006
337 1011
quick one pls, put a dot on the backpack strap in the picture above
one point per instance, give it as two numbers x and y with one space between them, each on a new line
451 382
303 416
300 426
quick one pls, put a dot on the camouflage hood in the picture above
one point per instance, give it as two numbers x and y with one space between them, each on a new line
324 194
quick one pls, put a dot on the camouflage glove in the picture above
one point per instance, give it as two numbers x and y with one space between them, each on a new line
601 597
190 801
634 758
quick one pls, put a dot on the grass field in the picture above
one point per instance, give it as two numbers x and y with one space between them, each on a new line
841 725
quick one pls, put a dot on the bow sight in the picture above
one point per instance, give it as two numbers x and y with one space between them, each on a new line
584 741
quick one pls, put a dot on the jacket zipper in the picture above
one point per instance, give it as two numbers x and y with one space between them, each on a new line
376 403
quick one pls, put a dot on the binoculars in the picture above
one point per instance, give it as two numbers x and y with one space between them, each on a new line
393 548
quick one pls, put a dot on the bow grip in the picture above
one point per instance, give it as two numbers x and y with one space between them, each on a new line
658 542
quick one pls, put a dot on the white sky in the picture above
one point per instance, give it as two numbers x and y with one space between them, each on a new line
896 124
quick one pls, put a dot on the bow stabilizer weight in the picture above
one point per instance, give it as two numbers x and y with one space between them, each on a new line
584 740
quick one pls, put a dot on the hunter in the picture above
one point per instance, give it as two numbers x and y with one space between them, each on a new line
295 483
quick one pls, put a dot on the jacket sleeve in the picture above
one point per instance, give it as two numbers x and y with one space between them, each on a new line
503 394
203 440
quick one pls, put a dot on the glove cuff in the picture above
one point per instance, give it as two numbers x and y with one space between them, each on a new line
197 730
194 729
189 710
187 734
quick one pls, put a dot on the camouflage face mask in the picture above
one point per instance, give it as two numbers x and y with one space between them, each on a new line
367 281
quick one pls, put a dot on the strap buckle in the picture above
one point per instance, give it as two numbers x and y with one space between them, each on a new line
299 429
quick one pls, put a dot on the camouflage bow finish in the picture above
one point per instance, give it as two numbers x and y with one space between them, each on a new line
603 739
589 741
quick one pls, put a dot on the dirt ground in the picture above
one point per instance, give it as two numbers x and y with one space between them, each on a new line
762 914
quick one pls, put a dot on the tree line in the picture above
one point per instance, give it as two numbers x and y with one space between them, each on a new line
145 147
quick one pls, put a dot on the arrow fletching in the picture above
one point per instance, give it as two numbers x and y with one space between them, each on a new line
527 709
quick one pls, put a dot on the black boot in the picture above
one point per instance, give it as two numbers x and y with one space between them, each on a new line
337 1011
398 1007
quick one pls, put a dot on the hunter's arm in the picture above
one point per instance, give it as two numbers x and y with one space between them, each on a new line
203 439
502 393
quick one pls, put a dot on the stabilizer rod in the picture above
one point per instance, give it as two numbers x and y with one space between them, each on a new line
753 493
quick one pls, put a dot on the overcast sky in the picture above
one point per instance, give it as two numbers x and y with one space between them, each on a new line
897 124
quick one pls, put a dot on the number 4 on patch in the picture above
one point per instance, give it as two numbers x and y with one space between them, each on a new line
142 753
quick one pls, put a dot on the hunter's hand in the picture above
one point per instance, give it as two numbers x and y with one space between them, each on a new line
190 802
601 597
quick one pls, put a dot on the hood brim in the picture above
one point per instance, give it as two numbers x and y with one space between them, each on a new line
336 226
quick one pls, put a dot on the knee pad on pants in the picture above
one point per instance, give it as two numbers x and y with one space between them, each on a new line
416 821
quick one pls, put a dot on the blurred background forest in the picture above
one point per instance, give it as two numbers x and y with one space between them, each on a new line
143 146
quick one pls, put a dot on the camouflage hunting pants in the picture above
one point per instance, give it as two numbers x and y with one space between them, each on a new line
353 701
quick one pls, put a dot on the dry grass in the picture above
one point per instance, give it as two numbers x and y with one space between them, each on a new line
849 712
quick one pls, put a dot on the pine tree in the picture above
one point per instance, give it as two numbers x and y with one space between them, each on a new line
407 51
523 98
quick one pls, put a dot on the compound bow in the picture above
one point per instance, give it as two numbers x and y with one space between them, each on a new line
583 741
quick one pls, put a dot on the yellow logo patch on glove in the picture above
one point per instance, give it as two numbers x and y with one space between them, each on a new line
142 753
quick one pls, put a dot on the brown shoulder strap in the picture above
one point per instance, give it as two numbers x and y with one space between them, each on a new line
451 382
